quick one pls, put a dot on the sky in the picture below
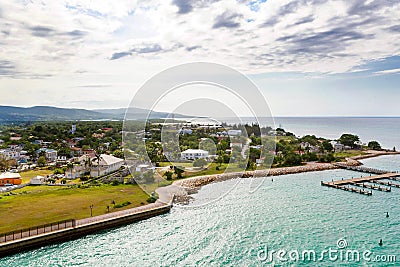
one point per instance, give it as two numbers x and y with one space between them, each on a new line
308 57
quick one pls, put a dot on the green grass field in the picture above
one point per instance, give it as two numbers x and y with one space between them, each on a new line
36 205
348 153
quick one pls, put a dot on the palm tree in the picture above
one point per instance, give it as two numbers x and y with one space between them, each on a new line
88 164
70 166
97 158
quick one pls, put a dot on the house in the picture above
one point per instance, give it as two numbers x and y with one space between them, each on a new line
337 146
10 154
185 131
50 154
77 171
10 178
144 168
193 154
107 129
240 145
1 142
107 164
98 135
37 180
234 132
89 152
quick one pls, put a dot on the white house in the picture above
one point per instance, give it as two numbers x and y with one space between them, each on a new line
240 145
185 131
235 132
337 146
1 142
144 168
10 154
107 164
37 180
192 154
50 154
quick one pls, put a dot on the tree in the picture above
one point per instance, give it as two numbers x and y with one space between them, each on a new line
41 162
3 163
97 158
148 177
199 163
349 140
168 175
374 145
220 160
119 154
327 146
178 171
292 159
70 167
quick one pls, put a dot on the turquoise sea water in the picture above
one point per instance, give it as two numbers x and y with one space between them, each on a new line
292 213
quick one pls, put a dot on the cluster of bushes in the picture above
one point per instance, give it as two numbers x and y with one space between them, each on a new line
124 204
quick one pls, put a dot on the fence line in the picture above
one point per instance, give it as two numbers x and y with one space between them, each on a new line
37 230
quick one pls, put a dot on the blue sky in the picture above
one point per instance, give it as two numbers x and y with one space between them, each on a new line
308 57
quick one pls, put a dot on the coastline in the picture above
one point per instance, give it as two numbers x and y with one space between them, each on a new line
181 190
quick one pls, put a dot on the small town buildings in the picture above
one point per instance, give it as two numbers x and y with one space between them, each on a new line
10 178
185 131
50 154
144 168
240 145
37 180
107 164
89 152
234 132
193 154
10 154
338 146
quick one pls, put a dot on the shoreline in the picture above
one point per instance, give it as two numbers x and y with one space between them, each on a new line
180 191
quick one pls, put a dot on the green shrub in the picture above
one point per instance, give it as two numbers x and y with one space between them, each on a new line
151 200
115 182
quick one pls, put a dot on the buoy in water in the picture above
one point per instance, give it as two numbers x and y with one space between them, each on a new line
380 242
387 214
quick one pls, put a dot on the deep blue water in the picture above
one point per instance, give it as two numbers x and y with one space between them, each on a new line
386 130
293 213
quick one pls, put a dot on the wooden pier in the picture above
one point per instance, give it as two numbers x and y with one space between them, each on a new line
354 184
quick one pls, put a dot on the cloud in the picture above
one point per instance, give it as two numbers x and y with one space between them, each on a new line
322 42
227 20
7 68
144 49
42 31
184 6
395 28
253 36
191 48
391 71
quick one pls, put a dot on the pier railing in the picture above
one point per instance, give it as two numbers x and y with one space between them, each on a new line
37 230
362 169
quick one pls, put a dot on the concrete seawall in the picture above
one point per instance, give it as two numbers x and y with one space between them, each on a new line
37 241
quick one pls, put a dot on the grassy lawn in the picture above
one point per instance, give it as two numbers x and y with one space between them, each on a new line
211 169
348 153
28 175
35 205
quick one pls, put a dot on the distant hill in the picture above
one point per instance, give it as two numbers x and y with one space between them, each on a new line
137 113
46 113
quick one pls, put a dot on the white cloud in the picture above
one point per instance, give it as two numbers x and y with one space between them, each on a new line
391 71
75 40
